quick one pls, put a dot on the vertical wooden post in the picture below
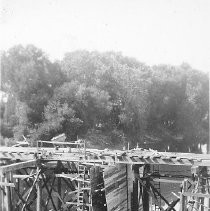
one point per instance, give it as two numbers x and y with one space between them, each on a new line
127 186
59 171
39 193
182 197
145 196
96 182
18 188
208 168
208 183
203 182
59 192
208 146
135 206
2 194
8 195
11 189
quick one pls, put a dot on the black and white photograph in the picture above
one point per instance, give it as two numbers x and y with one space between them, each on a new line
104 105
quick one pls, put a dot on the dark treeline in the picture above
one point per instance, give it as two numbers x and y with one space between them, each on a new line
106 98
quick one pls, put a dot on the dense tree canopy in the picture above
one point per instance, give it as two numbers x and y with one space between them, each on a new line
106 98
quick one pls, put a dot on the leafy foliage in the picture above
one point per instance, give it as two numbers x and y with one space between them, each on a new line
106 98
30 77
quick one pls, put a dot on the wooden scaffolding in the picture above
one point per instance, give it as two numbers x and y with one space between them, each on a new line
68 176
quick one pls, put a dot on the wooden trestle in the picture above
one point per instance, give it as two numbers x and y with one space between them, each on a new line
76 178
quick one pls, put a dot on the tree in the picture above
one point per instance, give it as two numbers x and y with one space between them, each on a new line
77 108
125 81
29 77
103 96
178 106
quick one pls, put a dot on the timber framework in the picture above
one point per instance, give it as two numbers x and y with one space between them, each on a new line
71 177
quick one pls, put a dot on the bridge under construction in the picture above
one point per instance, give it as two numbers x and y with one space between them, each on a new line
68 176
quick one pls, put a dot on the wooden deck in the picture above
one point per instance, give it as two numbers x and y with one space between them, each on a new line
135 156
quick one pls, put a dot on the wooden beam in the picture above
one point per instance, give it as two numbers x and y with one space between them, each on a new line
135 201
21 176
39 193
59 183
7 184
16 166
167 181
2 194
62 143
8 195
68 176
81 189
145 196
75 203
183 197
202 195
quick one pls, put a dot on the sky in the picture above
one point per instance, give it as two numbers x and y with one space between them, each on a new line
152 31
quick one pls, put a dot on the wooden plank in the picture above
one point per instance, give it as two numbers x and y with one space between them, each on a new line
115 182
97 187
135 201
75 203
69 176
203 195
7 184
62 143
39 193
167 181
146 196
59 183
16 166
81 189
145 156
183 197
20 176
8 201
2 193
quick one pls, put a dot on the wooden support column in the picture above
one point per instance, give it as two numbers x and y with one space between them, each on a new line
59 171
146 197
183 205
135 206
39 192
39 196
59 192
208 183
18 186
8 201
2 194
203 182
96 183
